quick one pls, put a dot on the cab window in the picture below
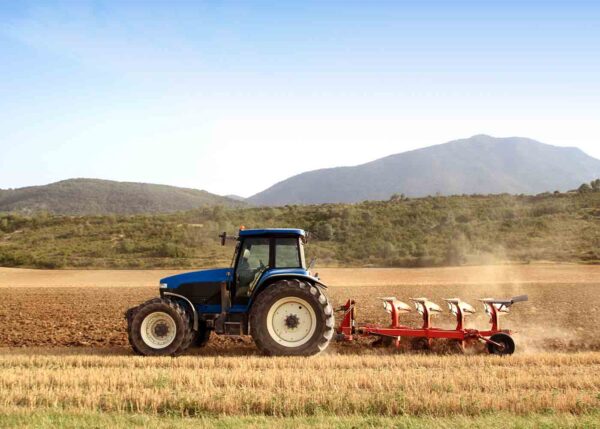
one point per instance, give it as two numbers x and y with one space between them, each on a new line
254 253
287 254
252 262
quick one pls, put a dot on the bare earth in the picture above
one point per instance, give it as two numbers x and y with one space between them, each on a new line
42 308
535 273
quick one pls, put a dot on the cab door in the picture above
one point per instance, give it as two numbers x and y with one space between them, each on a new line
253 260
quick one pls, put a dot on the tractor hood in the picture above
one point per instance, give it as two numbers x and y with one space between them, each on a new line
217 275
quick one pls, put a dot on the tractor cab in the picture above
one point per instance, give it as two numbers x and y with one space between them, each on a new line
262 254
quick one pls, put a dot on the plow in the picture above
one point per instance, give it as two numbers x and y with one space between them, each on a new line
269 293
498 341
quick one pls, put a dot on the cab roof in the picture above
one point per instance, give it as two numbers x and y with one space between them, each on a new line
271 232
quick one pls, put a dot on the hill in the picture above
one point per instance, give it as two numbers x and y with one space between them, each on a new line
235 197
428 231
94 196
477 165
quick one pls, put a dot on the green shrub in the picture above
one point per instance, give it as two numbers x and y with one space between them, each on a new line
172 250
126 246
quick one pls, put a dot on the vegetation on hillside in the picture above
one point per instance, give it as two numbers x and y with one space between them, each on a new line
401 232
94 196
593 186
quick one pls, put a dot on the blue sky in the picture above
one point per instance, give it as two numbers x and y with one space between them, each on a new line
232 97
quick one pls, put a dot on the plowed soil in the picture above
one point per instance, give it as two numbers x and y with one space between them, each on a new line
85 308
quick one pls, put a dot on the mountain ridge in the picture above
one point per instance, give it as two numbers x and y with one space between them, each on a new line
479 164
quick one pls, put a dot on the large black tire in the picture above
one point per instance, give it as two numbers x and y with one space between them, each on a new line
507 344
190 335
129 315
270 343
180 329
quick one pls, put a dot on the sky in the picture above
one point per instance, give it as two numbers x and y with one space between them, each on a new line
232 97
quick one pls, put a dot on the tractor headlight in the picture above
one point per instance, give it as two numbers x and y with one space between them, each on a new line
163 286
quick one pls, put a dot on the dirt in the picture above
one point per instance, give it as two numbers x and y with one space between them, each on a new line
85 308
534 273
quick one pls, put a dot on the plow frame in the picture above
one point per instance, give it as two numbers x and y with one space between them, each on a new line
348 328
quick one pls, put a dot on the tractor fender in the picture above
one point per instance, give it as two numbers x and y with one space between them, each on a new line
189 303
268 279
292 275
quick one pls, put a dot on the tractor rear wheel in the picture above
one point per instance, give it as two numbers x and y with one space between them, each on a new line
159 327
506 344
291 318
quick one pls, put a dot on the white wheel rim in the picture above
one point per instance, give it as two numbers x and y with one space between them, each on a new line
291 322
158 330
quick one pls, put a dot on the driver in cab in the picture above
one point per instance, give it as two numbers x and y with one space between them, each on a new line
247 271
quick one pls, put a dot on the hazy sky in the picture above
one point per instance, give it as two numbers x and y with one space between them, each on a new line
232 97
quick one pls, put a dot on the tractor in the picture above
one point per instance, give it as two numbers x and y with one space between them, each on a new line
268 293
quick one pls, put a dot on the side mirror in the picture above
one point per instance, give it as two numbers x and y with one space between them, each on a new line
223 238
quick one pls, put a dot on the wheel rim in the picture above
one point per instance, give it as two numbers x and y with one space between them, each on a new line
158 330
291 322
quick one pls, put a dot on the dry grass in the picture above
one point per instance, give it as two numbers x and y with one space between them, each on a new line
371 384
18 418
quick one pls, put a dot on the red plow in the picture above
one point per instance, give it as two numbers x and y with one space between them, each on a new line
498 341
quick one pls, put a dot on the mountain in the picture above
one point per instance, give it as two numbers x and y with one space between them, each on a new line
478 165
94 196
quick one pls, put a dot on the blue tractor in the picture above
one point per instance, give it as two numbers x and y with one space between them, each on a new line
268 293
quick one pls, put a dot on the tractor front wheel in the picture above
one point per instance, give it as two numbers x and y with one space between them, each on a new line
159 327
291 318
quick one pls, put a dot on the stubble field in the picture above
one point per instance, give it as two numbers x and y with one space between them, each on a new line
65 361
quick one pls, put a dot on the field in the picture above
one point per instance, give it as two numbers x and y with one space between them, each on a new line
64 358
